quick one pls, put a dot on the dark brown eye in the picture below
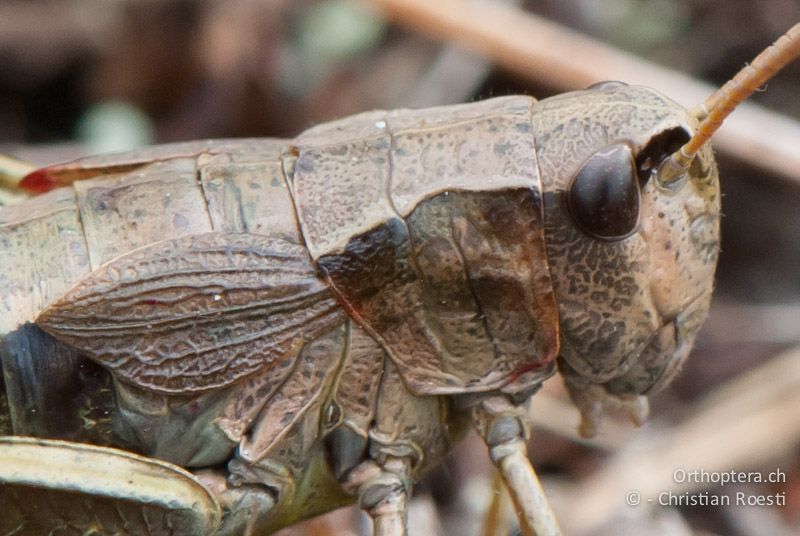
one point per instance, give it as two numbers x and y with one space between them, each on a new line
604 195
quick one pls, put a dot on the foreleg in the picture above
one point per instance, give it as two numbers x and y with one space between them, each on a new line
505 430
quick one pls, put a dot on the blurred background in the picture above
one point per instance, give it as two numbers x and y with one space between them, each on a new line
86 76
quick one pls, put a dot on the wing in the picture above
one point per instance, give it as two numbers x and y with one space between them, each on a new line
196 313
63 174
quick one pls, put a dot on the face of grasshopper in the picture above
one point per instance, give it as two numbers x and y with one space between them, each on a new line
632 256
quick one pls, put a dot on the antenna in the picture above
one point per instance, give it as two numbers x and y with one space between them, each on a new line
713 111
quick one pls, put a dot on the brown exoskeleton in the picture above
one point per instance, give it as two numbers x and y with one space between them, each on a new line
301 323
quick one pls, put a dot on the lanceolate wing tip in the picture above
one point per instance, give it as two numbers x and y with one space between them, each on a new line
38 182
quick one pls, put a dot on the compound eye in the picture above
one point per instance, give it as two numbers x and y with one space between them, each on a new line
604 196
607 85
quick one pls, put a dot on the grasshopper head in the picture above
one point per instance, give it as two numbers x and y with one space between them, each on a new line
631 209
632 252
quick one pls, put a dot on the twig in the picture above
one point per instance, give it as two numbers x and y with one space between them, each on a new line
748 323
565 59
12 170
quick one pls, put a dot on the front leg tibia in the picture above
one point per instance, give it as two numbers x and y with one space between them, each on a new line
503 427
382 489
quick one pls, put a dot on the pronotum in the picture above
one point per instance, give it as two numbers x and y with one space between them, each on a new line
278 327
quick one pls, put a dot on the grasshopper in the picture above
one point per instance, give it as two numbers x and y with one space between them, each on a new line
224 337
